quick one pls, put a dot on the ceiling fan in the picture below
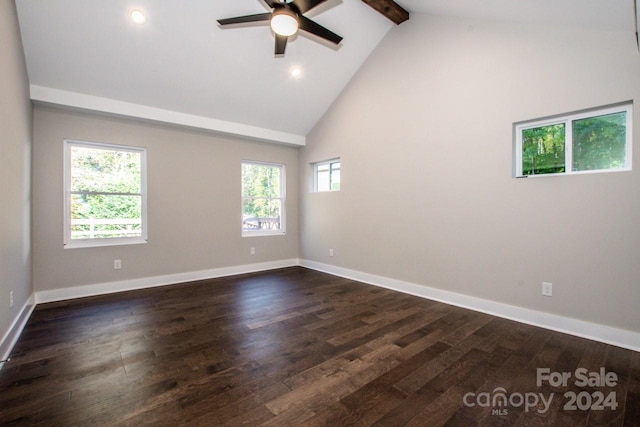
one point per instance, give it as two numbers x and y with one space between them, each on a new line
286 18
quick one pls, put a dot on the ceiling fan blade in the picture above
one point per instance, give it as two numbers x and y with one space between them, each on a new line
306 5
317 29
281 44
243 19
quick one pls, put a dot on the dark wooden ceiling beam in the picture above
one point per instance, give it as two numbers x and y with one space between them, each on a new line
390 9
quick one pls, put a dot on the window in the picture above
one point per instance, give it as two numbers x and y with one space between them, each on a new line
326 175
263 199
589 141
105 194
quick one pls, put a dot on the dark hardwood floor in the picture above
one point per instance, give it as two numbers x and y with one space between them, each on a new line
299 347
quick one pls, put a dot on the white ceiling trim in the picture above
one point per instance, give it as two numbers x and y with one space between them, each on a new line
80 101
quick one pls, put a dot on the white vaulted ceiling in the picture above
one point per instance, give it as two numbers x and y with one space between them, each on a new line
598 15
181 67
181 61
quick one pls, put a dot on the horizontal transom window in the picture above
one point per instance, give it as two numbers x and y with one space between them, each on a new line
597 140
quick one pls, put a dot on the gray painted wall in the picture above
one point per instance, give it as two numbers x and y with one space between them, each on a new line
424 132
194 202
15 152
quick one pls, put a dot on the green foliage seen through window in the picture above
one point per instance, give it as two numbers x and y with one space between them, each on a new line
597 143
261 196
600 142
543 150
105 185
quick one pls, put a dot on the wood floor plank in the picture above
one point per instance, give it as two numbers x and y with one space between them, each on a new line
436 366
293 347
632 396
370 403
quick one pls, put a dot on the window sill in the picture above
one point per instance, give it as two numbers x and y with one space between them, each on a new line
574 173
95 243
263 233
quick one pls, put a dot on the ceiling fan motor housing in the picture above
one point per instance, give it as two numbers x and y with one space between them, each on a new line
285 19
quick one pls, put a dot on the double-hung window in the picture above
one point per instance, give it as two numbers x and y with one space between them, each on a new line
105 194
597 140
326 175
263 199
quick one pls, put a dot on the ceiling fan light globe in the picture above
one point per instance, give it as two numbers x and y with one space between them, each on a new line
284 23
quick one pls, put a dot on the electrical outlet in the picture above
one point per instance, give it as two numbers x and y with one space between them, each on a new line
117 264
330 252
252 251
11 299
547 289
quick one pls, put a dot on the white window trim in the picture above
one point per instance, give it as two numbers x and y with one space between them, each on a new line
566 119
283 201
314 171
88 243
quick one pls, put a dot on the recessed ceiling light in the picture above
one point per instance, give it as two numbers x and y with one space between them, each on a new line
296 72
137 16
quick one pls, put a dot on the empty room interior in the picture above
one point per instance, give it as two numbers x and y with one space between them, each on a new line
320 212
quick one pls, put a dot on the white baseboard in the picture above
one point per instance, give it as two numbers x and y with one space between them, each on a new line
11 337
593 331
151 282
606 334
40 297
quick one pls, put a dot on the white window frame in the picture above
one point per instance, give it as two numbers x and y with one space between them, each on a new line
70 243
283 201
567 120
329 162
